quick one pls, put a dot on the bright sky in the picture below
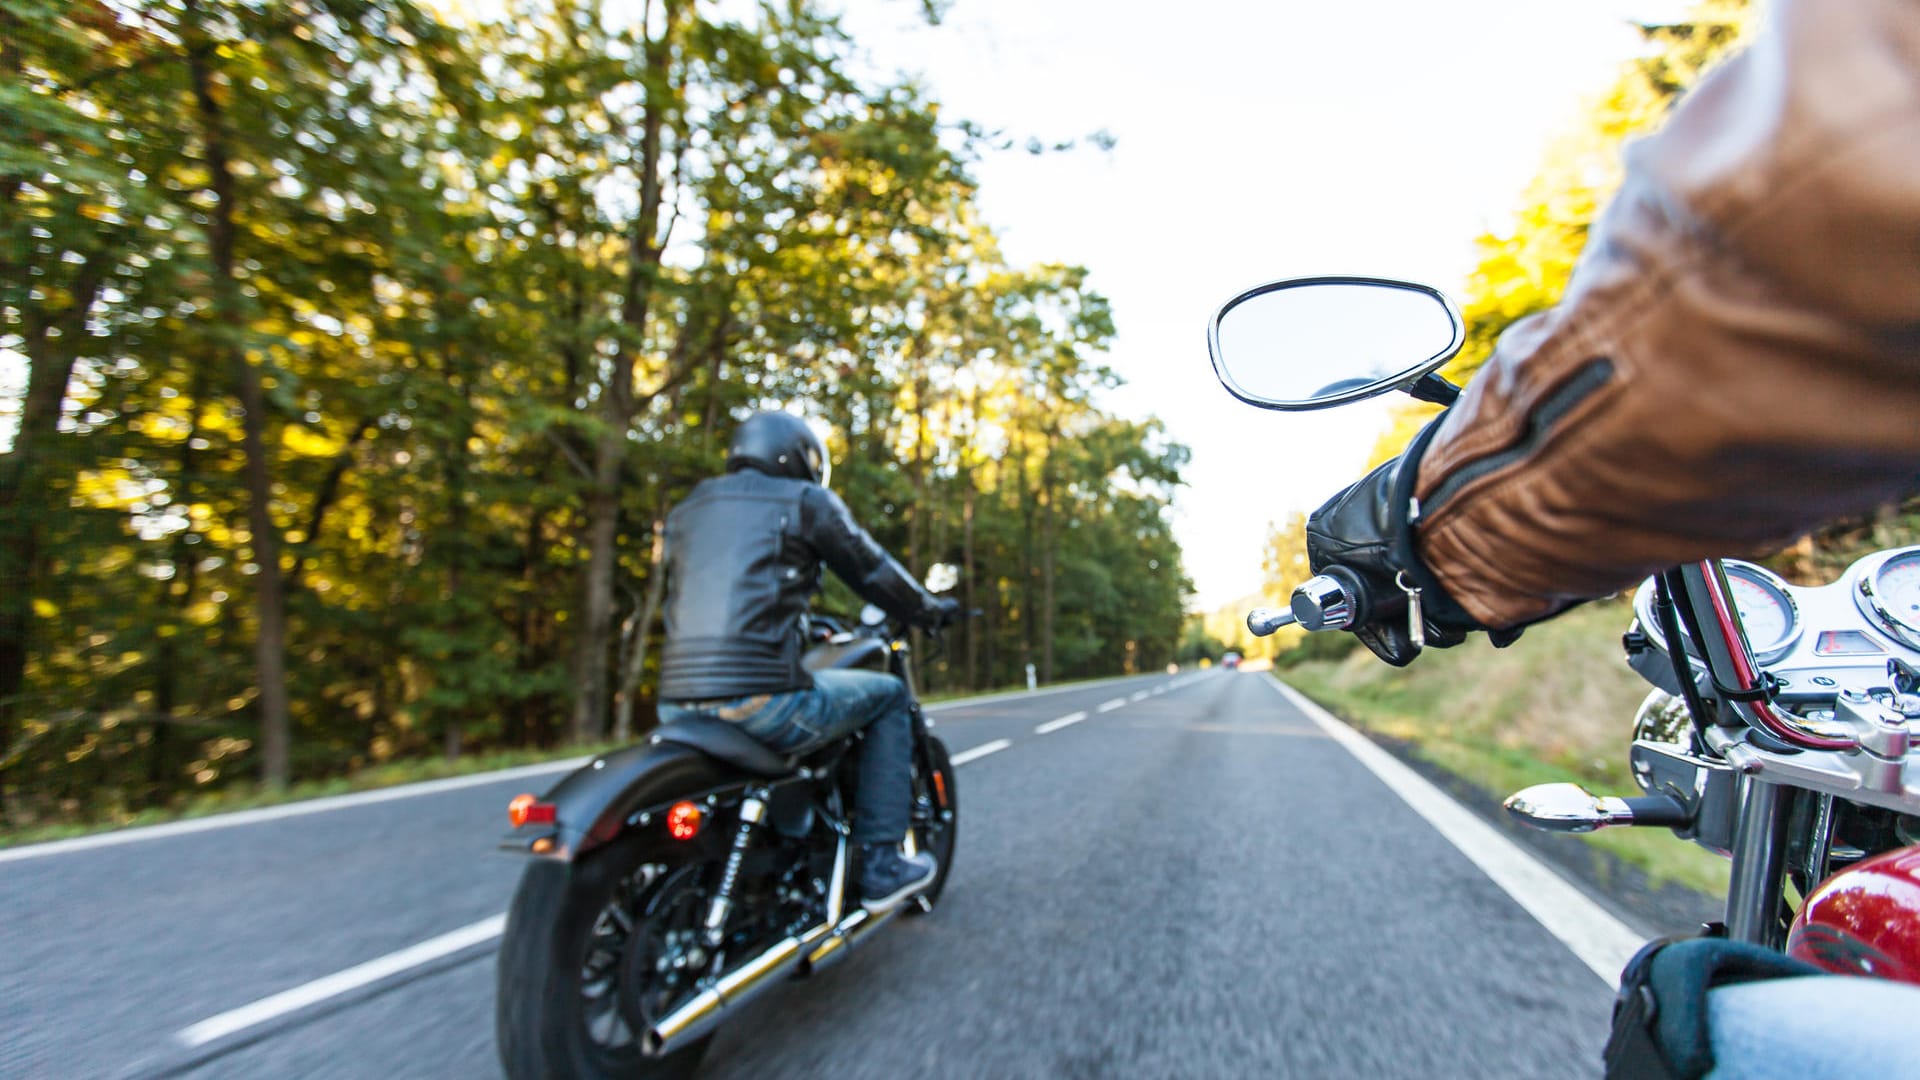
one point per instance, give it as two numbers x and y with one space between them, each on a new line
1258 139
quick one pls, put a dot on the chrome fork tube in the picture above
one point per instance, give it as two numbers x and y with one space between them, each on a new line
1759 863
1820 841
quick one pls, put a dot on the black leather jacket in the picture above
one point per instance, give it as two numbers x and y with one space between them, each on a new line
743 556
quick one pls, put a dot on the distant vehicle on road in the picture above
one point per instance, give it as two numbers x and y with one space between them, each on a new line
1230 661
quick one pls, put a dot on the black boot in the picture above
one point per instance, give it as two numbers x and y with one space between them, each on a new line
888 877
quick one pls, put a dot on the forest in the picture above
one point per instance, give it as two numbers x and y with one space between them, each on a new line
352 353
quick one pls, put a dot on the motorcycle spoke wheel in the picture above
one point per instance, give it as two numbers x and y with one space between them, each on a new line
594 954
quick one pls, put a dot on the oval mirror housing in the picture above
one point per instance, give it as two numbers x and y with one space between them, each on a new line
942 576
1312 343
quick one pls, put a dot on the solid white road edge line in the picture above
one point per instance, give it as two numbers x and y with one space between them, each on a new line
1109 706
1601 941
237 1020
286 810
1052 726
340 982
980 751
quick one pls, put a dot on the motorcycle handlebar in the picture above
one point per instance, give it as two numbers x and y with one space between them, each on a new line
1263 621
1330 601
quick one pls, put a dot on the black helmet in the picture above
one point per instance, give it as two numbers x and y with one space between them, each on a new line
779 444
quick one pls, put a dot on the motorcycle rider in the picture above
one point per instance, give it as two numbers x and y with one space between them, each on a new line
1736 360
744 552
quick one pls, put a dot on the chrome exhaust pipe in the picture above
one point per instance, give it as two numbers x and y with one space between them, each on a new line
817 948
700 1016
850 932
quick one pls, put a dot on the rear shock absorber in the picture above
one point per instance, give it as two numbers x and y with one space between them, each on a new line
753 812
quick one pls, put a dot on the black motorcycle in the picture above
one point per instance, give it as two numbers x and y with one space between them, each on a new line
673 881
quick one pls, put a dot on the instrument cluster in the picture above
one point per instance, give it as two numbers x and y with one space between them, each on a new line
1818 640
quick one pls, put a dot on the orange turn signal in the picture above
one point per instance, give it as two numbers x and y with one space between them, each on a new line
683 820
525 809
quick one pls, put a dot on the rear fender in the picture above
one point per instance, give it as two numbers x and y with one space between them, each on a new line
601 799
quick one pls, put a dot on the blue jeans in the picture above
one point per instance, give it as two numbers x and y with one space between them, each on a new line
1818 1025
839 704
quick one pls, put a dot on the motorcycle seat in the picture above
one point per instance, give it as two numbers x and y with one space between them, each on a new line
719 739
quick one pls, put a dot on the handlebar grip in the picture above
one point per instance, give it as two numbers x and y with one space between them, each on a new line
1264 621
1333 600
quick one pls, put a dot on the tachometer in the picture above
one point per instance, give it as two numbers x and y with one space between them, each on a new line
1767 611
1887 589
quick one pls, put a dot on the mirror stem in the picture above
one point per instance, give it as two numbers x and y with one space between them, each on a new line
1432 387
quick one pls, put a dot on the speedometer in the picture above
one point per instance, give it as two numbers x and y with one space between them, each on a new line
1768 613
1887 590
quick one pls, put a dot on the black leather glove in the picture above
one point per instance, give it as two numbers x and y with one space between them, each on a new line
942 613
1365 531
1660 1016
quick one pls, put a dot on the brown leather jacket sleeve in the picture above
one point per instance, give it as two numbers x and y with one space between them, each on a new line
1737 356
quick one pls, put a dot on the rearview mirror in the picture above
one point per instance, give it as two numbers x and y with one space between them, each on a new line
1311 343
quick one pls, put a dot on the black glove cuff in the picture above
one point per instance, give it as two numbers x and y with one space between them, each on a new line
1441 608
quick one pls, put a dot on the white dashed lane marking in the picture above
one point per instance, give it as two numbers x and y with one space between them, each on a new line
1052 726
980 751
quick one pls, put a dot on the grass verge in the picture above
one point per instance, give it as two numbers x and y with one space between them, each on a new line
1558 705
387 774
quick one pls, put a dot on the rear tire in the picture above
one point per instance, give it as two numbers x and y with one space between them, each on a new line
936 817
565 996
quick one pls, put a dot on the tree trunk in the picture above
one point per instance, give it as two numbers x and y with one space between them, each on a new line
638 632
176 597
1049 545
269 651
1029 570
972 597
603 530
618 407
523 725
52 351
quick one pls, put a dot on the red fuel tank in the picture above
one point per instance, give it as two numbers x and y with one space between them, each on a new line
1864 920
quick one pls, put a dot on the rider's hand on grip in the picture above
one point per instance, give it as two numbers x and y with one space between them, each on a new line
942 613
1365 530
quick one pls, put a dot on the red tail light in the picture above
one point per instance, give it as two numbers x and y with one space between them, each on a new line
527 810
684 820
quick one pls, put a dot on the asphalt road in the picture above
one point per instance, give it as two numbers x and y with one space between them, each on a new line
1198 881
